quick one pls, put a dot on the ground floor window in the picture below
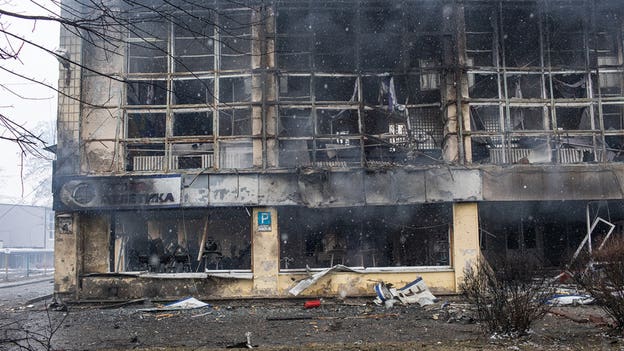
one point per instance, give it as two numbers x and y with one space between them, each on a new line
175 241
549 232
373 236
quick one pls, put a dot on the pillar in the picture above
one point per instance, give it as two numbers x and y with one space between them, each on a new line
265 252
465 238
66 251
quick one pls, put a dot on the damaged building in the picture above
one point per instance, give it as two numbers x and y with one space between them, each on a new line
228 149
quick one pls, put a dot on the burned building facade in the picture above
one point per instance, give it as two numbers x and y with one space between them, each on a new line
226 149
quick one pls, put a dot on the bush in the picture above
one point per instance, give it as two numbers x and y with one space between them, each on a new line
508 295
602 277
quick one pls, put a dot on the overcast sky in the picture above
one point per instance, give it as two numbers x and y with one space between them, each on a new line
35 104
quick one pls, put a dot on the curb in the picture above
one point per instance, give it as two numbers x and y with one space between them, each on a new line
5 285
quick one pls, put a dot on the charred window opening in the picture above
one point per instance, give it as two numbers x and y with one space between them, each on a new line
147 92
294 88
192 123
194 44
192 155
179 62
193 91
397 236
235 89
145 157
236 154
296 122
544 68
521 36
361 73
146 125
234 122
565 25
171 241
147 46
548 232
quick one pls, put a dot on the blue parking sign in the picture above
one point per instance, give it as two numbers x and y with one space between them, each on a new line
264 221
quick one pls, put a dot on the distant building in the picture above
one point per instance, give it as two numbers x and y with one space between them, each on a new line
228 148
26 237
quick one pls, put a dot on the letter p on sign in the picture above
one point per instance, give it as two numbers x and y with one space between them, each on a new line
264 221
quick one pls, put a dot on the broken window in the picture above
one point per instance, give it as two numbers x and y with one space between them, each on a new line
484 86
193 91
171 241
295 122
194 44
565 25
145 157
521 34
147 46
337 122
199 155
236 154
234 89
192 123
294 88
295 153
387 56
172 61
234 122
393 236
153 92
146 125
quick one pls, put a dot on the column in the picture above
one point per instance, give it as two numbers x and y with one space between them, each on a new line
465 238
265 251
65 253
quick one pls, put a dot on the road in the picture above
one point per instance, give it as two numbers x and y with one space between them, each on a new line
14 296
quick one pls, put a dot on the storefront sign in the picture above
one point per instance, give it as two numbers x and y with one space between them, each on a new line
264 221
121 192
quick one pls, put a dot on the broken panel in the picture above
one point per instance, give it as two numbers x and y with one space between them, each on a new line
521 34
569 86
294 53
145 157
146 125
337 122
236 154
235 53
147 57
524 86
199 155
574 118
335 89
340 151
295 153
194 44
528 118
383 51
192 123
565 25
295 122
235 122
483 86
365 237
294 88
147 45
193 91
480 35
149 92
426 128
234 89
608 84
